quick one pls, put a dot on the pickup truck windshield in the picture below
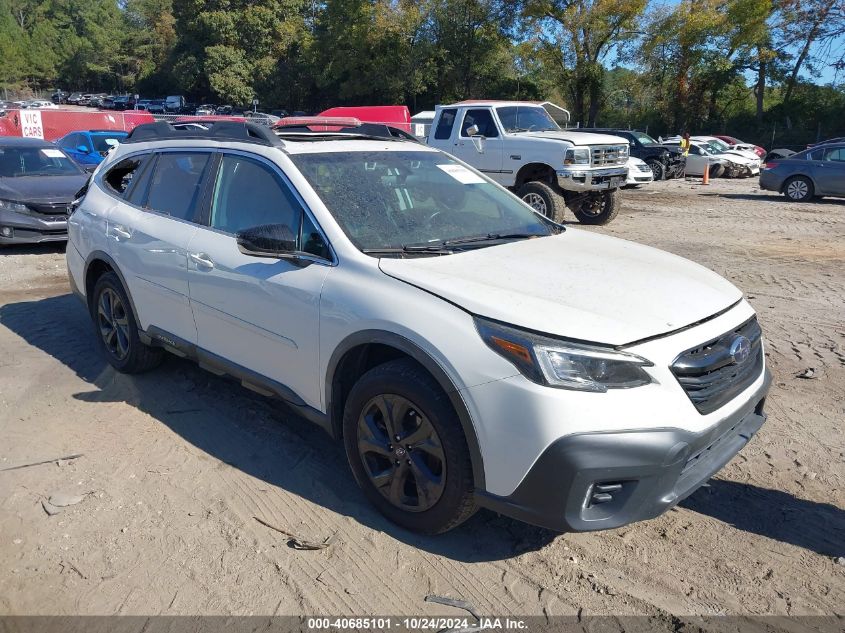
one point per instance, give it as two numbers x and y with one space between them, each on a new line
526 119
405 200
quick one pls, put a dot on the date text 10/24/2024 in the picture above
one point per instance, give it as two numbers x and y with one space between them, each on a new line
417 624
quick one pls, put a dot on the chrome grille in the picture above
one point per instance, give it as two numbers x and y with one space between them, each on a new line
709 374
609 155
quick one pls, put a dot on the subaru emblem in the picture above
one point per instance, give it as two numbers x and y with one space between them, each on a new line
740 350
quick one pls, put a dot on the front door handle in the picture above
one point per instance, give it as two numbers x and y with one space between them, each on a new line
120 233
202 260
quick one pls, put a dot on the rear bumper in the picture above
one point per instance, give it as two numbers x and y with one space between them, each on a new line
599 481
770 181
586 179
32 229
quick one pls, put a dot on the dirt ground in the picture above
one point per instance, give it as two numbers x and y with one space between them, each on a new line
178 462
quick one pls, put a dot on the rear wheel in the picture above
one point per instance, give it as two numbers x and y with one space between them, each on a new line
596 208
407 450
798 189
117 329
541 197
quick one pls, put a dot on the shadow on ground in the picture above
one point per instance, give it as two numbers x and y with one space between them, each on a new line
257 435
806 206
264 439
33 249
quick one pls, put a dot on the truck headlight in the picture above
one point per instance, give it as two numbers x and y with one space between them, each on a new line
562 364
577 156
8 205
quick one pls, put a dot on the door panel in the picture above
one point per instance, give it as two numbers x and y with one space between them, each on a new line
150 246
829 172
464 147
258 312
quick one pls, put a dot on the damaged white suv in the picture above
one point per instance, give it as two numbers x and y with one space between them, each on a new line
468 351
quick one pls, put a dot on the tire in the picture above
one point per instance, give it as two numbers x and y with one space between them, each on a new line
541 197
798 189
443 468
596 208
658 169
716 170
117 329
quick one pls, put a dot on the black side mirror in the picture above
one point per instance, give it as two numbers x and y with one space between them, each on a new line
267 240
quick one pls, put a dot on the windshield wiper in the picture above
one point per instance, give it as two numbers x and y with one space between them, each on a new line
436 249
441 245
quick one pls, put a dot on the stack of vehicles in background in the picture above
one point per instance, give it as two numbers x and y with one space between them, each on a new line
665 161
716 156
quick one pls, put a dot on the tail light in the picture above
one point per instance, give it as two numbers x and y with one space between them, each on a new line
770 165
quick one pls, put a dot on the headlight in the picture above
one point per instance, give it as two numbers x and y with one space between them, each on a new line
577 156
8 205
562 364
624 150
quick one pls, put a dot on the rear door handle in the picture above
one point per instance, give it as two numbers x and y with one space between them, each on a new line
202 260
120 233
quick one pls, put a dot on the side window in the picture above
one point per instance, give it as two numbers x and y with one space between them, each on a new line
136 193
837 155
481 118
119 177
695 151
81 140
176 183
310 240
445 124
248 194
69 142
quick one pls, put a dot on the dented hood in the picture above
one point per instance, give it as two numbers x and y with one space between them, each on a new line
577 285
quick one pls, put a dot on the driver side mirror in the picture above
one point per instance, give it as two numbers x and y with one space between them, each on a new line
82 149
476 138
267 240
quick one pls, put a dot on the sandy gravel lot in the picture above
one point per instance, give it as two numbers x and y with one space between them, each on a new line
177 463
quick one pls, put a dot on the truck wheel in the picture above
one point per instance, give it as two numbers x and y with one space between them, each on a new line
596 208
117 329
543 199
798 189
658 170
407 450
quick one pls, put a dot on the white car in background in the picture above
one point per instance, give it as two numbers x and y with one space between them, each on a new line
729 164
639 173
725 148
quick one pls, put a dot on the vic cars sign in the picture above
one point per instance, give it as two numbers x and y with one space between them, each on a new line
31 124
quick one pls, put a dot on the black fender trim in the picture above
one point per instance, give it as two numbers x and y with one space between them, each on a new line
410 348
105 257
248 378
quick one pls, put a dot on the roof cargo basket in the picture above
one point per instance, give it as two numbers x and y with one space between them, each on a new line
217 131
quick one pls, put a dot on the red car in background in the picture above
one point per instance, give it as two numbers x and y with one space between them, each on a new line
732 140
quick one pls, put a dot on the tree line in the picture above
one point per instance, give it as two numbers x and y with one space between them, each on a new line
746 66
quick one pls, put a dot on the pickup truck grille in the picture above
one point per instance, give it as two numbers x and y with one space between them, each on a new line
608 155
715 372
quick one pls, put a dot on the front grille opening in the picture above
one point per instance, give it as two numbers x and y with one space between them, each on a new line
709 374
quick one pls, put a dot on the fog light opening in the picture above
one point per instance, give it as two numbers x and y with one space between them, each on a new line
7 231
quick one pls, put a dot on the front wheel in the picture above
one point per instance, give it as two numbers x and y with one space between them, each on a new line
658 170
407 450
541 197
596 208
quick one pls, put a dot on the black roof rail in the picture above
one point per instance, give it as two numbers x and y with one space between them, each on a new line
217 131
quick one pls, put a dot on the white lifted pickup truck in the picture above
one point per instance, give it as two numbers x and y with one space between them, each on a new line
519 145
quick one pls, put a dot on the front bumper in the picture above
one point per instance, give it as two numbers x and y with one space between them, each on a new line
599 481
32 228
586 179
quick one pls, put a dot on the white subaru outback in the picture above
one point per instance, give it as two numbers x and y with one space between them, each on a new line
468 351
